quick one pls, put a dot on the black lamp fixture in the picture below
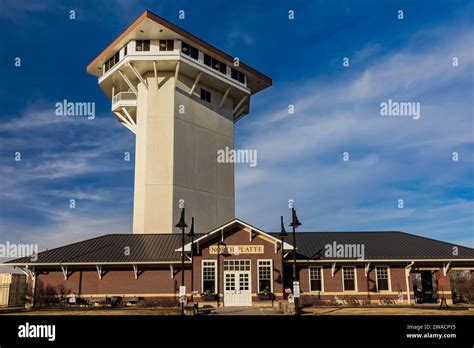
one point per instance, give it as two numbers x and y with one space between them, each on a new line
191 235
182 225
283 234
219 244
294 219
295 223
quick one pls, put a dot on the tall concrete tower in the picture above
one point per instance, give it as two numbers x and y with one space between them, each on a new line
180 96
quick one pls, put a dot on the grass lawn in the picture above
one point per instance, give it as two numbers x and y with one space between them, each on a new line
383 311
97 311
322 311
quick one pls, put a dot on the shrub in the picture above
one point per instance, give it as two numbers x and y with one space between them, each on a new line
62 293
462 286
45 295
155 302
309 300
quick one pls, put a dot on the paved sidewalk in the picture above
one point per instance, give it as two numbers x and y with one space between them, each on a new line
244 311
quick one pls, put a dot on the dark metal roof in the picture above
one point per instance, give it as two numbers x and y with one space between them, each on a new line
378 245
112 247
310 245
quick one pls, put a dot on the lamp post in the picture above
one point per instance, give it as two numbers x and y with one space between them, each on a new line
294 224
224 253
191 234
218 272
283 234
182 225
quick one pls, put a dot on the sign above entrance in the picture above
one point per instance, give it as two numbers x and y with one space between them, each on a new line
236 249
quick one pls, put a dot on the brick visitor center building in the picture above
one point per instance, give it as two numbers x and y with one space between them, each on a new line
243 264
181 97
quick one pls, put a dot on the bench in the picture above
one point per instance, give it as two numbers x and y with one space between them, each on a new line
132 300
190 308
286 308
97 301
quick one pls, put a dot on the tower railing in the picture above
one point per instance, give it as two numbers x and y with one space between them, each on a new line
122 99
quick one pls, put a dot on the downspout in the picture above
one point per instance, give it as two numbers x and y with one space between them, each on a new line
33 290
407 274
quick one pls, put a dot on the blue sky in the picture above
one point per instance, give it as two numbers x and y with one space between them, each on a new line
299 155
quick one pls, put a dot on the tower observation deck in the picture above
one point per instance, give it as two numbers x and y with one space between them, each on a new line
180 96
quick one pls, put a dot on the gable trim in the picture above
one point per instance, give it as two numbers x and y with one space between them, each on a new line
248 228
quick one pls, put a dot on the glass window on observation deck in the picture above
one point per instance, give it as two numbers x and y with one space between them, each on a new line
112 61
237 75
166 45
207 60
215 64
189 50
142 45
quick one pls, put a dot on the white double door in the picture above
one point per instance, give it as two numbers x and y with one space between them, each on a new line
237 288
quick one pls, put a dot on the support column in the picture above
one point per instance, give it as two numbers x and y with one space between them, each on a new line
407 280
33 287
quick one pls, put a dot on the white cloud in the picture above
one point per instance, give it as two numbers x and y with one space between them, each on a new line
56 152
300 155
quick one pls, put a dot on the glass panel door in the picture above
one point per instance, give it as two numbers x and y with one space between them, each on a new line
243 281
230 281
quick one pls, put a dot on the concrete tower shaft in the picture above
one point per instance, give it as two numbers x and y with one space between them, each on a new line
177 138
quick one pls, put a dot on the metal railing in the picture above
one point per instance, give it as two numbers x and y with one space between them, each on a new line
124 96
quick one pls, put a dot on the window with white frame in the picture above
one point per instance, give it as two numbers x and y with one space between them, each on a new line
215 64
349 280
236 265
142 45
189 50
209 276
315 279
112 61
264 275
166 45
237 75
382 278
